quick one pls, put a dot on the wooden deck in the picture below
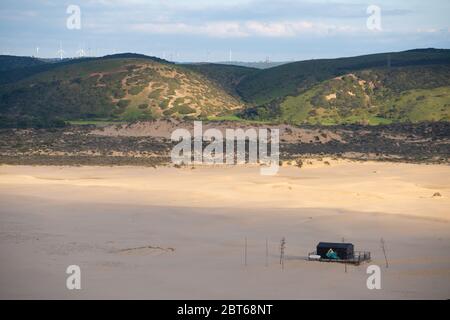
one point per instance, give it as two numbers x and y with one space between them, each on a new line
358 258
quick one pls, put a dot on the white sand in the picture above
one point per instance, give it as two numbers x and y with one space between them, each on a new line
52 217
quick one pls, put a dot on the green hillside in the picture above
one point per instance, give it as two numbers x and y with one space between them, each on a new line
381 88
373 96
14 68
114 88
13 62
227 76
276 83
18 68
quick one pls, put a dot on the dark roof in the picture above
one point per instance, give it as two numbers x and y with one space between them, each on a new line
335 244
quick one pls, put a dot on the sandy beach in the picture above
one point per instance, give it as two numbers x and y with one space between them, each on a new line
170 233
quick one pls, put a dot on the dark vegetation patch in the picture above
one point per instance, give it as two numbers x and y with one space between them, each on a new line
74 145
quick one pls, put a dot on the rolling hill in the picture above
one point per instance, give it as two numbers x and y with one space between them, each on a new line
227 76
396 87
404 94
13 62
267 85
121 87
409 86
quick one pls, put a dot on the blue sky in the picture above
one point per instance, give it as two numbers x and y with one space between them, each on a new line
200 30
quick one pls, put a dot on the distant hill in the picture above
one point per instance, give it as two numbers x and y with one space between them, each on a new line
13 62
121 87
409 86
14 68
405 86
26 66
256 65
373 96
275 83
227 76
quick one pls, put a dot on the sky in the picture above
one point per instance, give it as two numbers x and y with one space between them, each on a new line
210 30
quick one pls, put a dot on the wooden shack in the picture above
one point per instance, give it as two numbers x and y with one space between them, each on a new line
339 251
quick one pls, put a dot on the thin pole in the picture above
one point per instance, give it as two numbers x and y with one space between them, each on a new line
345 263
383 247
282 246
245 252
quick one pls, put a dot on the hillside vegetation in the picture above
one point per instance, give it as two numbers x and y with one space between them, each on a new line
411 94
119 88
227 76
413 86
409 86
267 85
13 62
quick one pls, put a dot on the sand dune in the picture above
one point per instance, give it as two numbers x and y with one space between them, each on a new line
179 233
406 189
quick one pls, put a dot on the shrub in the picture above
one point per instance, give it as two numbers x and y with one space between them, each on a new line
164 104
136 90
122 104
183 109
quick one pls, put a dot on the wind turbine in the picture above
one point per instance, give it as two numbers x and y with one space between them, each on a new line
230 55
81 53
60 51
37 52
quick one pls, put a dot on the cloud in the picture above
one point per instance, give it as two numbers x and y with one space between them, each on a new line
232 18
214 29
257 27
242 29
278 29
